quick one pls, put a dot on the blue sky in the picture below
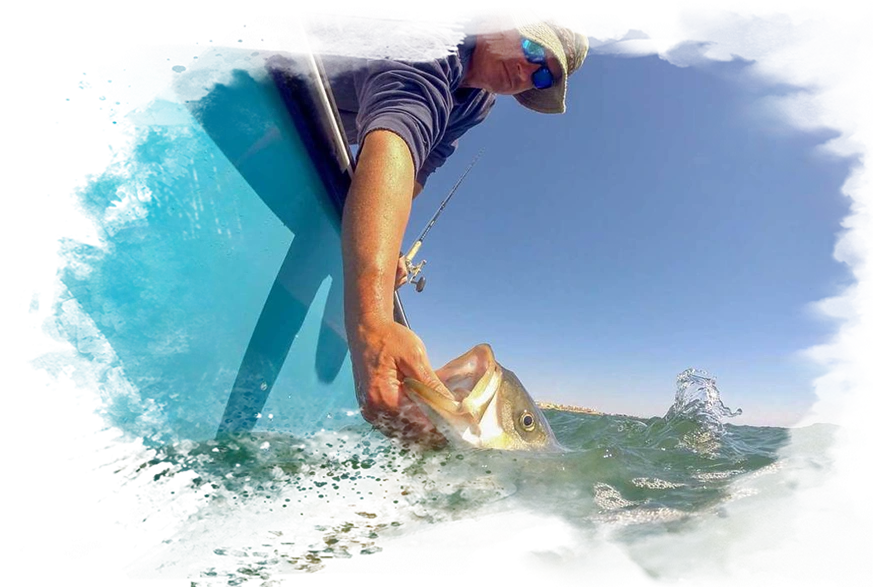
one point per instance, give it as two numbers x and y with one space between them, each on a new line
666 221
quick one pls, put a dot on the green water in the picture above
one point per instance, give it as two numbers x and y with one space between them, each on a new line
664 499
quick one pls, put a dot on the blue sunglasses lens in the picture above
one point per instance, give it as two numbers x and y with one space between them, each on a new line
542 78
535 53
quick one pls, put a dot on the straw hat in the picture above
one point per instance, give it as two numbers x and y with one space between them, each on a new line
570 49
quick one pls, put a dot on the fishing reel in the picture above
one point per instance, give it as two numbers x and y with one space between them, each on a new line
413 270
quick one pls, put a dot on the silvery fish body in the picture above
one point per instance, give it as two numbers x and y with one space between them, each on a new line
488 406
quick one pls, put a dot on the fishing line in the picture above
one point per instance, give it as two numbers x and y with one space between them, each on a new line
414 270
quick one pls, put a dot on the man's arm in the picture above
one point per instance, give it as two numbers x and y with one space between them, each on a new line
383 352
374 220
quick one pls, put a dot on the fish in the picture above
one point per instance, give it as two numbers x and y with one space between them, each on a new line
487 408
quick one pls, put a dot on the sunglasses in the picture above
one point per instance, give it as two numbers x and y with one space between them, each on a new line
536 53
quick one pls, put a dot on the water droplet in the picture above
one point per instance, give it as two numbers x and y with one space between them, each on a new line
178 68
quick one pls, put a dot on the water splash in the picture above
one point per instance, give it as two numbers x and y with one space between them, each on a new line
698 399
341 451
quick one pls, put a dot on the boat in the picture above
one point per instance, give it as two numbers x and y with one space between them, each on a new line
212 301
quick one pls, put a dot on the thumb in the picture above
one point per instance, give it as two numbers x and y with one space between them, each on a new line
423 372
427 376
416 364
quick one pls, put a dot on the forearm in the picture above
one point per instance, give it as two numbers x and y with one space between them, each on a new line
374 220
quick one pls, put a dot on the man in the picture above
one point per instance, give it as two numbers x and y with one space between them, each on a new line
407 118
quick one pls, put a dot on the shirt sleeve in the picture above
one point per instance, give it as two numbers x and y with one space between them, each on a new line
436 159
413 101
469 115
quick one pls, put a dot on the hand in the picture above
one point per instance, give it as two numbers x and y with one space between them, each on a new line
382 357
402 275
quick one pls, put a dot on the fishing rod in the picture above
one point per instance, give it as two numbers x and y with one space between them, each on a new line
414 270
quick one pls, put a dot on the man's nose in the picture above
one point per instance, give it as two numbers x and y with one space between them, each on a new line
526 69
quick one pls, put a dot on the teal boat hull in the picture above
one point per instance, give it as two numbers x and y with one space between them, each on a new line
211 302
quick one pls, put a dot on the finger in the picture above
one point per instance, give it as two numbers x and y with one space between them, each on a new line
423 372
434 382
414 363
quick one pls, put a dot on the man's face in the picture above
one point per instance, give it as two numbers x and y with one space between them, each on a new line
499 65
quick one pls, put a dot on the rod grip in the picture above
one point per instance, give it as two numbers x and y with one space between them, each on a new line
413 251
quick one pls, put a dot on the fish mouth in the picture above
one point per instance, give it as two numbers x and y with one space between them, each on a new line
483 405
472 380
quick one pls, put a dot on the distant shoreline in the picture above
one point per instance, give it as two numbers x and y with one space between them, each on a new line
567 408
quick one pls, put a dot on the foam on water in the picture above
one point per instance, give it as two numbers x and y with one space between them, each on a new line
268 508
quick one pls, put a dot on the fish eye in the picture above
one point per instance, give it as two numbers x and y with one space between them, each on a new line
527 421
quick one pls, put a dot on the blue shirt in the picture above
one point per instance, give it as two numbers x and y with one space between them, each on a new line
422 102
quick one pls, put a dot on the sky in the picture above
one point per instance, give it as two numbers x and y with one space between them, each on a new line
699 206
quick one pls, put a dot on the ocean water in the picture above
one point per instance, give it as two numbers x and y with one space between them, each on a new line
683 499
